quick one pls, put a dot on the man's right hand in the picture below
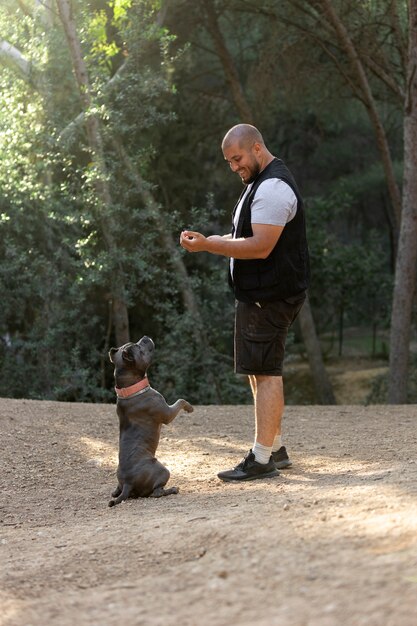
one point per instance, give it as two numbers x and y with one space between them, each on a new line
192 241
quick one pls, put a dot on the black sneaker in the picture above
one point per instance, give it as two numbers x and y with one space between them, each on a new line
249 469
281 458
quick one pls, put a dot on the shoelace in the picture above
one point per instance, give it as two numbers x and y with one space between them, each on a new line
244 462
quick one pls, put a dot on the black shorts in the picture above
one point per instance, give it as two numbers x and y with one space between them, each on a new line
260 334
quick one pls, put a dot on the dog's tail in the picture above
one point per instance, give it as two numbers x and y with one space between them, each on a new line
123 496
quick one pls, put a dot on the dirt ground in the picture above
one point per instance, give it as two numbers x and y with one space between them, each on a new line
330 542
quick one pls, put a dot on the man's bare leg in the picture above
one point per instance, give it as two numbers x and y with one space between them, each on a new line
268 396
269 405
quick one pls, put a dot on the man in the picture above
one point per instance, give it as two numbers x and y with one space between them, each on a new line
269 273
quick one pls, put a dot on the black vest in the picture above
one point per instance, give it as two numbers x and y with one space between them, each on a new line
286 271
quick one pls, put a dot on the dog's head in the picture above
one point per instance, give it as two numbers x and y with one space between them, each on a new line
135 357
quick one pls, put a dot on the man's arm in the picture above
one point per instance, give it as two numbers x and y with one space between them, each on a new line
259 246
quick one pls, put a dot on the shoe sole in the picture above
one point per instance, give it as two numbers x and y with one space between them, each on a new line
241 480
283 464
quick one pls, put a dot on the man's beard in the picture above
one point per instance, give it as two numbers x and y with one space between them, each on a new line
254 171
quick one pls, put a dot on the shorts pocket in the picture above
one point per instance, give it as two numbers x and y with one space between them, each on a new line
259 353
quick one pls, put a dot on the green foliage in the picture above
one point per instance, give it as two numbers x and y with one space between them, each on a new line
352 282
183 369
163 103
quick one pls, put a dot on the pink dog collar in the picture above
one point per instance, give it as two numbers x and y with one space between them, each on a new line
125 392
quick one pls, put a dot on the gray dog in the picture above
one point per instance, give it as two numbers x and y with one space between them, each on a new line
141 411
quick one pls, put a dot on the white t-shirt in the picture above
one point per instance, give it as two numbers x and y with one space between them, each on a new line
274 203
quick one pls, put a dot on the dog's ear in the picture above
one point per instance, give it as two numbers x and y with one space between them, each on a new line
111 352
127 355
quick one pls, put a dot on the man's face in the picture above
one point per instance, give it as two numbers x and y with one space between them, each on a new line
244 161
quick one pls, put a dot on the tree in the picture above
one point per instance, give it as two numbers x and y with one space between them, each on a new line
45 309
95 141
164 83
321 380
361 87
367 46
405 212
405 271
124 233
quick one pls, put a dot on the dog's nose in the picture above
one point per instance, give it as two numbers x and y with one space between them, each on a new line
146 340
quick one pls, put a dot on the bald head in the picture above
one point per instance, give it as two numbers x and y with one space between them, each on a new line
243 135
245 151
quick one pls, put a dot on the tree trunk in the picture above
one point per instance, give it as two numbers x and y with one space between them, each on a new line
12 57
120 313
227 62
405 272
322 382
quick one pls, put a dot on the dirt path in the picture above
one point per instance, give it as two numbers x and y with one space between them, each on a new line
331 542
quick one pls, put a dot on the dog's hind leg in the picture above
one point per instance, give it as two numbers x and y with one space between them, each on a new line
158 492
123 496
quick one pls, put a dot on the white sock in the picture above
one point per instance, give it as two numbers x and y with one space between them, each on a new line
277 443
262 453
